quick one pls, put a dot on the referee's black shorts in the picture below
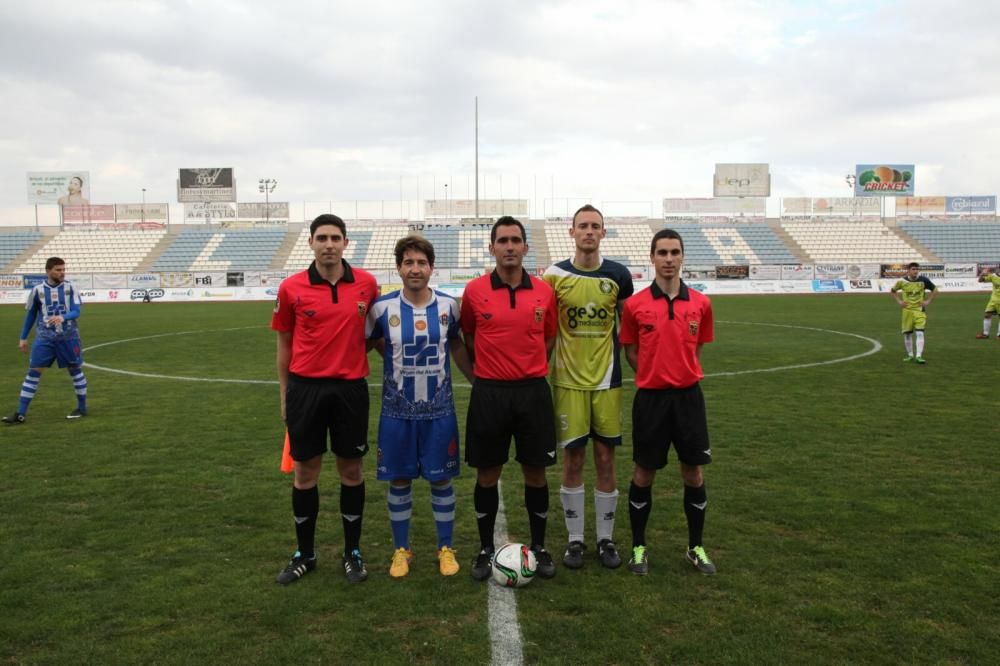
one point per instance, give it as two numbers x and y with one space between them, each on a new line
661 417
499 410
315 407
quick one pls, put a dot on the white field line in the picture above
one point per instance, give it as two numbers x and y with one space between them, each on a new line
505 630
876 347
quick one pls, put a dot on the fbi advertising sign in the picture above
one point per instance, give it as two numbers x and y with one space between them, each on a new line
890 180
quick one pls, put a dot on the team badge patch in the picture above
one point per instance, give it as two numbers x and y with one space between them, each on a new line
693 327
362 309
394 321
605 287
539 314
443 319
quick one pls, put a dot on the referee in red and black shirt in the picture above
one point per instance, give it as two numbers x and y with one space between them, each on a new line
509 320
663 329
322 364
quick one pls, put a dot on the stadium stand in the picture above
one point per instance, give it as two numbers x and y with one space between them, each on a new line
867 241
728 244
95 251
625 243
957 241
371 246
14 243
216 249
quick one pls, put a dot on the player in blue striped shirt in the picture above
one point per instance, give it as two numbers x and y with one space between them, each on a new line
54 310
418 432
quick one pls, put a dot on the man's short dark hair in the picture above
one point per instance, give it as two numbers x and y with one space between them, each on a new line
665 233
416 243
324 219
587 208
52 262
507 221
912 264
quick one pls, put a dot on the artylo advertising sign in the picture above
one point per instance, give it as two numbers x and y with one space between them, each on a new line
893 180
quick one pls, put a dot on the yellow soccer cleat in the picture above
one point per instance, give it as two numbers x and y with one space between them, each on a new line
401 560
447 562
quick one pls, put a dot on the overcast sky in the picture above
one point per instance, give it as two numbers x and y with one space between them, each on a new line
616 102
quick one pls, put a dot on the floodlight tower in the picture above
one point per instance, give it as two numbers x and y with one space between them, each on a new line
266 186
142 211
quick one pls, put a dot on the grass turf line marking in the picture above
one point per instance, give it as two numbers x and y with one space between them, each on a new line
876 347
505 630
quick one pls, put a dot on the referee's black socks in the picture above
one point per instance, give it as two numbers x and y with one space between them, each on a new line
536 501
305 509
352 508
640 504
695 503
486 502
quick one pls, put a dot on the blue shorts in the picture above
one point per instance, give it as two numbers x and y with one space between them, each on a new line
66 352
408 448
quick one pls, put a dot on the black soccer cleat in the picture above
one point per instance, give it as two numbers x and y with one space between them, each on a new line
296 568
76 414
639 564
545 567
482 565
354 567
14 419
607 551
573 557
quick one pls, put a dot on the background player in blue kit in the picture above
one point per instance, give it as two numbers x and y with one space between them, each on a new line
53 309
418 430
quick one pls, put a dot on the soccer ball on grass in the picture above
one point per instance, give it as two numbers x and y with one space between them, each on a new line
514 565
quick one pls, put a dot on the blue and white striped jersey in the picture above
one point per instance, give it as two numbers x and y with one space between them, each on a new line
417 375
45 301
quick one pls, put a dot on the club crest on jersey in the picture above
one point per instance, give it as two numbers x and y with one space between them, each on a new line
605 286
443 319
362 309
693 327
394 321
539 314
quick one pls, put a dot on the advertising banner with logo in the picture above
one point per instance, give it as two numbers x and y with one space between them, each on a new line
765 272
143 280
272 278
866 271
732 272
899 270
862 285
251 278
640 272
194 185
828 286
890 180
151 212
208 213
986 204
917 206
32 279
175 280
13 296
209 279
845 206
10 281
960 271
467 207
830 271
275 212
705 206
110 280
992 267
73 215
234 279
796 272
696 272
59 187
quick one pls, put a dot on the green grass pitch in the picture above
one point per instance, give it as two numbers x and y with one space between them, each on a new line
852 508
